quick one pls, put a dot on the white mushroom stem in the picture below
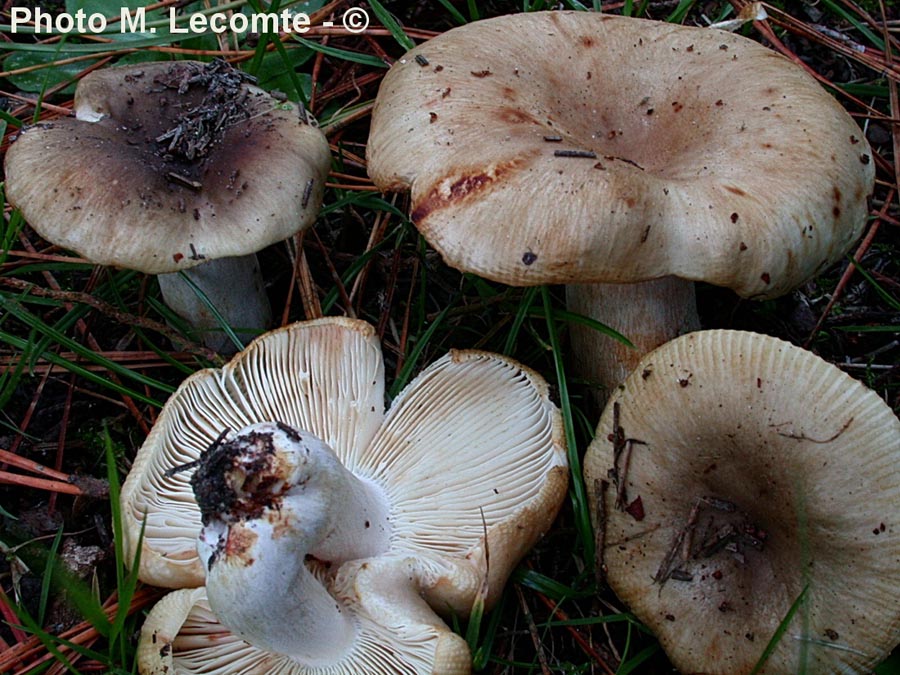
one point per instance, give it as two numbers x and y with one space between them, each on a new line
234 286
648 313
271 497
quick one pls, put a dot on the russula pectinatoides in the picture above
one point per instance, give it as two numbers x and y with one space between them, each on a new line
625 157
734 475
310 531
175 167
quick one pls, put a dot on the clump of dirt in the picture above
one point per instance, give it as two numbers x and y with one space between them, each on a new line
234 478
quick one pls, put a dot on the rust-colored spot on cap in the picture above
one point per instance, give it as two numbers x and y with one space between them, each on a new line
456 189
515 116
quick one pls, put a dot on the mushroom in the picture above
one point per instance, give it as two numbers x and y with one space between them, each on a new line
733 474
590 149
171 166
352 525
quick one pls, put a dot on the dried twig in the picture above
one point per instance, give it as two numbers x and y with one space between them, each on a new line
125 318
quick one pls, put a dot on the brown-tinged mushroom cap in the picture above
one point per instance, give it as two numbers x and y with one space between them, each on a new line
168 165
558 147
469 462
729 472
583 148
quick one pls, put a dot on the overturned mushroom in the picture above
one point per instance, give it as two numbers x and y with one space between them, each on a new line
170 167
733 475
352 525
586 148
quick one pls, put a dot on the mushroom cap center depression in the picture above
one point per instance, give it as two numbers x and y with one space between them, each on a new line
170 122
676 126
620 150
731 508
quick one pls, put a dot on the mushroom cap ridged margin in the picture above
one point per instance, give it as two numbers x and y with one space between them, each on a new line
117 199
703 154
400 635
760 469
472 425
325 376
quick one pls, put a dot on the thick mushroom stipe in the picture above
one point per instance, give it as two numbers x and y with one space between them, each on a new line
729 472
234 287
269 496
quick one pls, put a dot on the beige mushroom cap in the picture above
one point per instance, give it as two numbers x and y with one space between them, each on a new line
114 196
400 636
754 469
470 459
710 157
503 464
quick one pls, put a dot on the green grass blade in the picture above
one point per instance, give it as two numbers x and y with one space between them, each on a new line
343 54
473 629
887 297
126 581
482 653
291 73
780 631
454 13
223 324
388 21
544 584
413 356
677 16
577 491
37 324
573 317
333 295
9 119
523 311
52 643
853 20
631 664
57 578
47 578
22 345
10 378
47 640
